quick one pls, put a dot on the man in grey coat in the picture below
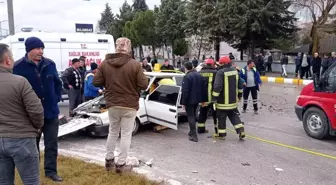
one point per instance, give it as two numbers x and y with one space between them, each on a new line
21 119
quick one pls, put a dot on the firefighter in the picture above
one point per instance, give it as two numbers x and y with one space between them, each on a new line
226 92
209 72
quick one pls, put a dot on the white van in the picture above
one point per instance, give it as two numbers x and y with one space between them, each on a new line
63 47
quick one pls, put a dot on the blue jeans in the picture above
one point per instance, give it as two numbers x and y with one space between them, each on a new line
22 154
50 133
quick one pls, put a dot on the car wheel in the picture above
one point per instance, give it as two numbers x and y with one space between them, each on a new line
136 126
316 123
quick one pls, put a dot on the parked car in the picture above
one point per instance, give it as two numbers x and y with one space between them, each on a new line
316 105
161 106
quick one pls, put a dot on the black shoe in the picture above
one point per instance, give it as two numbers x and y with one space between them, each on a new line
193 138
55 178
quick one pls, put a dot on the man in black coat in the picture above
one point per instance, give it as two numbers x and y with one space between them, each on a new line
316 63
193 92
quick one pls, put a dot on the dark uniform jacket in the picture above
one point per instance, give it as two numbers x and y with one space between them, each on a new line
209 73
228 87
193 88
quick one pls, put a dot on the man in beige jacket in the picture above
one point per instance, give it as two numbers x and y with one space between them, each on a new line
21 118
123 79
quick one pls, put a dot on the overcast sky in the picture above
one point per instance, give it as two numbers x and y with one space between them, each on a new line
59 15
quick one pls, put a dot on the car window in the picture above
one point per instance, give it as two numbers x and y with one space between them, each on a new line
165 94
179 80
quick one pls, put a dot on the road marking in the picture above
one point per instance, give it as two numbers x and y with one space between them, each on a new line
288 146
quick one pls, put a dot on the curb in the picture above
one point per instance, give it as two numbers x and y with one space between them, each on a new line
285 80
96 160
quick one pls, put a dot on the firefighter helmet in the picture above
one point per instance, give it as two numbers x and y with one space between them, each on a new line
224 60
209 61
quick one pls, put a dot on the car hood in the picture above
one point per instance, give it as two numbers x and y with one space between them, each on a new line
92 106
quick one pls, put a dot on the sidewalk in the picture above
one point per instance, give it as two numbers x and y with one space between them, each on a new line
291 79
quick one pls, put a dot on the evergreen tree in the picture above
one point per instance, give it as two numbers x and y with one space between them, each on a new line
200 18
170 21
107 18
144 26
139 5
256 23
126 14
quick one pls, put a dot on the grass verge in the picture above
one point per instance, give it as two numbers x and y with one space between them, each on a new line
78 172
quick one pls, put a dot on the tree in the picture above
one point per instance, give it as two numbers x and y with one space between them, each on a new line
126 14
180 47
139 5
200 44
319 11
144 26
199 23
256 23
170 21
107 18
129 32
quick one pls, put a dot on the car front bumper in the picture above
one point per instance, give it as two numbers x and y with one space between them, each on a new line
98 130
299 112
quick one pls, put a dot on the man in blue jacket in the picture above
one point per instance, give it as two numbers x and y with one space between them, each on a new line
194 91
90 91
42 75
252 84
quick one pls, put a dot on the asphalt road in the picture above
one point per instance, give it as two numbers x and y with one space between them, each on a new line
266 157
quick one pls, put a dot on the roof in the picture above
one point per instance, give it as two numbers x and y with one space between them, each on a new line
55 37
163 75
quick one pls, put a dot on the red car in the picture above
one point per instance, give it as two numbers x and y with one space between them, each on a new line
316 105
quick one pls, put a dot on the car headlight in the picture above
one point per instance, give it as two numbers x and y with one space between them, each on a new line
97 119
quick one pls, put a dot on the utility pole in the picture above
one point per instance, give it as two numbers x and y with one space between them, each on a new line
10 17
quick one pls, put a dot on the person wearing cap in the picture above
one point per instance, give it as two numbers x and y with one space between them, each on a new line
253 82
227 90
42 75
193 93
123 79
90 91
72 81
209 73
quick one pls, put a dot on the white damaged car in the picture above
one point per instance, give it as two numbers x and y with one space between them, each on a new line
160 106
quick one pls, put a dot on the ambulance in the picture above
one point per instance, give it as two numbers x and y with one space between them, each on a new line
63 47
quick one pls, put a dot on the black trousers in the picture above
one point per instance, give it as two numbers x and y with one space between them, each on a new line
269 67
234 119
304 72
203 115
246 94
297 70
50 137
191 113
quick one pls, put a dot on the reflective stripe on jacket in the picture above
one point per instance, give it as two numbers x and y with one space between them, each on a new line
226 88
209 74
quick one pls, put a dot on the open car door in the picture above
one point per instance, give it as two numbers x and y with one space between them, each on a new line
161 106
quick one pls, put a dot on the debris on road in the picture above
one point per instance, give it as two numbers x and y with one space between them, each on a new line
246 164
148 163
279 169
195 171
